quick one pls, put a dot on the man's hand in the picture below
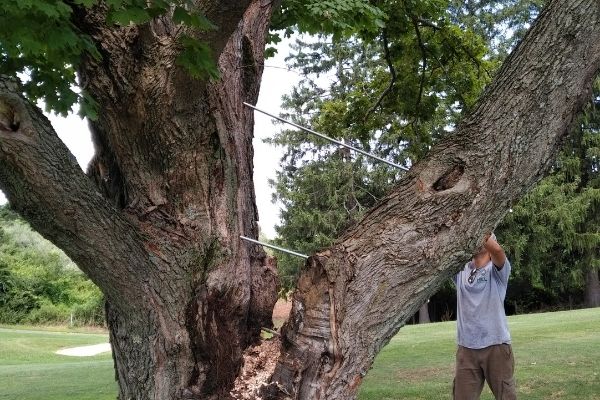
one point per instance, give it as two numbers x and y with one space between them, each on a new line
496 252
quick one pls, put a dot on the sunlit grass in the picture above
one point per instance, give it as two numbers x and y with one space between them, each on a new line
557 357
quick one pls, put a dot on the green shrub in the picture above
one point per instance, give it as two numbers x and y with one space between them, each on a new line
90 311
39 284
48 313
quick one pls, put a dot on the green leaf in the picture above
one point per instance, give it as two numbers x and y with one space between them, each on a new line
86 3
128 16
114 3
195 20
270 52
196 57
88 107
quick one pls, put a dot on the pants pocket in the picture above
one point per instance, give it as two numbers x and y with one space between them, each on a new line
509 390
507 349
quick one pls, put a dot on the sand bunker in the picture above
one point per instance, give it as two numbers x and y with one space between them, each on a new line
85 351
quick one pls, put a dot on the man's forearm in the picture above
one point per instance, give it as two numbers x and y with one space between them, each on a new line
496 251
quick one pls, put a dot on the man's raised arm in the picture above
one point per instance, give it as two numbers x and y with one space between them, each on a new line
496 252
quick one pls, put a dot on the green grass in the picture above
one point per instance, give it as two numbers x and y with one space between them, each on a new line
557 357
29 369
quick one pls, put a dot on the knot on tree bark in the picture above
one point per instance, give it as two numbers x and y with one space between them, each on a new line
14 115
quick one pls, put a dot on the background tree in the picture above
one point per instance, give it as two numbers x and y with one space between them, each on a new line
502 23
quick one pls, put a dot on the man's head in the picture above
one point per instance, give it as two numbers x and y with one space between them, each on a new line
481 257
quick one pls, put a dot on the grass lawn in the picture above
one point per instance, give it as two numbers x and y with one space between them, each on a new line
557 357
30 370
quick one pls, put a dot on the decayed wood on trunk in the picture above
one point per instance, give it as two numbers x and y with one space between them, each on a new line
156 222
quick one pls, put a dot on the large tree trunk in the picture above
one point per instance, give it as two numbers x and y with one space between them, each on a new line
157 226
592 288
352 298
156 222
176 155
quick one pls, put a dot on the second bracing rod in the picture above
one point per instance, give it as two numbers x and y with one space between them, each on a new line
273 247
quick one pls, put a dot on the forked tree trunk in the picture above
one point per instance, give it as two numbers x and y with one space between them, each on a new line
592 288
157 225
183 172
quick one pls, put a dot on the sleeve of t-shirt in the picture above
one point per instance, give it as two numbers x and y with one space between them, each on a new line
456 277
503 273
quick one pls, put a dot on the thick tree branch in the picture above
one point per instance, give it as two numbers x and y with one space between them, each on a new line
44 183
357 294
156 134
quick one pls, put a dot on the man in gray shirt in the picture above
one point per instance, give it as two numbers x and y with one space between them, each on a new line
484 350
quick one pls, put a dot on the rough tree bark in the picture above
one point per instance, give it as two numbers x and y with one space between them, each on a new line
157 226
156 222
353 297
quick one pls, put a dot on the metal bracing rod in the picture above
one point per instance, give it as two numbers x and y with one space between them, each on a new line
327 137
274 247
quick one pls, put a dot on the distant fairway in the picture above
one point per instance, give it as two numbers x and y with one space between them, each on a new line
557 355
30 370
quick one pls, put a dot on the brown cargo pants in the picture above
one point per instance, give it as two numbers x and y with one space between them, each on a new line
494 364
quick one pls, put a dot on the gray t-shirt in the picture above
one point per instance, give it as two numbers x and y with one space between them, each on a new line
481 321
